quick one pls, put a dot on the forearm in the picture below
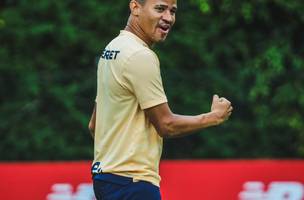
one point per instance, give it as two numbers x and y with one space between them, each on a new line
169 124
181 125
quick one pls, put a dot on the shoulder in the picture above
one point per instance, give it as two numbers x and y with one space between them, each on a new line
143 61
144 52
130 48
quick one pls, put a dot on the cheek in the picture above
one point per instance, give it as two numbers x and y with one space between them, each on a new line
151 24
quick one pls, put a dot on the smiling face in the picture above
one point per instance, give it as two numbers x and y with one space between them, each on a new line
155 19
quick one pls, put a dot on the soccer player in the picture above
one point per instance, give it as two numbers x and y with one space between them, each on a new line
131 115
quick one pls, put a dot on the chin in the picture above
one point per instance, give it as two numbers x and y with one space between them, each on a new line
158 38
161 39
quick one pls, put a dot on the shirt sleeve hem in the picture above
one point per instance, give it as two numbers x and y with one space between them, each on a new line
152 103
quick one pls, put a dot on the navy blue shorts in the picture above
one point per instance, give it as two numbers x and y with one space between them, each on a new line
114 187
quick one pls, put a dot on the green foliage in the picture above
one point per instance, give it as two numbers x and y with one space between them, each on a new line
48 62
252 53
248 51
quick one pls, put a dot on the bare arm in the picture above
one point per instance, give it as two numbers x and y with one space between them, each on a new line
169 124
93 122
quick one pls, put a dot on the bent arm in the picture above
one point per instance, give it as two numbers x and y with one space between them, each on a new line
169 124
93 122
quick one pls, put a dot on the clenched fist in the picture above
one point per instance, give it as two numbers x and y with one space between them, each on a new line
221 108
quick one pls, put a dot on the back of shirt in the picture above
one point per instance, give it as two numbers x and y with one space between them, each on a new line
129 81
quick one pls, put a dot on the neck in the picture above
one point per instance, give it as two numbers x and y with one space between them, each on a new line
133 27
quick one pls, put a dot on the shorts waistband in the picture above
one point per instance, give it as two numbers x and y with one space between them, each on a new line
113 178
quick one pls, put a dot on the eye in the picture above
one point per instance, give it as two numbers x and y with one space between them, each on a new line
160 9
173 12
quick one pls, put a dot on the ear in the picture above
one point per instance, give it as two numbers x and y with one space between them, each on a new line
134 7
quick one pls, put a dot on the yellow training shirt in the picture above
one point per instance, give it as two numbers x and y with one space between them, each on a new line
128 81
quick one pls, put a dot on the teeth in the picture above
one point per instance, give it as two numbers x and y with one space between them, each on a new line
164 27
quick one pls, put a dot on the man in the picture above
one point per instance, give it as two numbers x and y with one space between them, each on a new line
132 115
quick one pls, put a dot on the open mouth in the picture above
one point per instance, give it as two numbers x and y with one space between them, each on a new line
164 28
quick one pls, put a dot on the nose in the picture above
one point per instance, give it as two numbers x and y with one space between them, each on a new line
168 17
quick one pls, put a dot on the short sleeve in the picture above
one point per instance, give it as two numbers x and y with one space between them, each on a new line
143 78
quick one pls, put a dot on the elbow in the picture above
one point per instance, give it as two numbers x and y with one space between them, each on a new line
163 133
91 127
91 130
166 129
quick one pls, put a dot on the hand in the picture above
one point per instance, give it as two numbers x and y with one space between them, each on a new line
221 108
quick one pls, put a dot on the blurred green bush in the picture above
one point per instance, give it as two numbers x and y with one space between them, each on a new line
251 52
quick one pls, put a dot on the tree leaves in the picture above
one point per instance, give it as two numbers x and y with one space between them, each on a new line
248 51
